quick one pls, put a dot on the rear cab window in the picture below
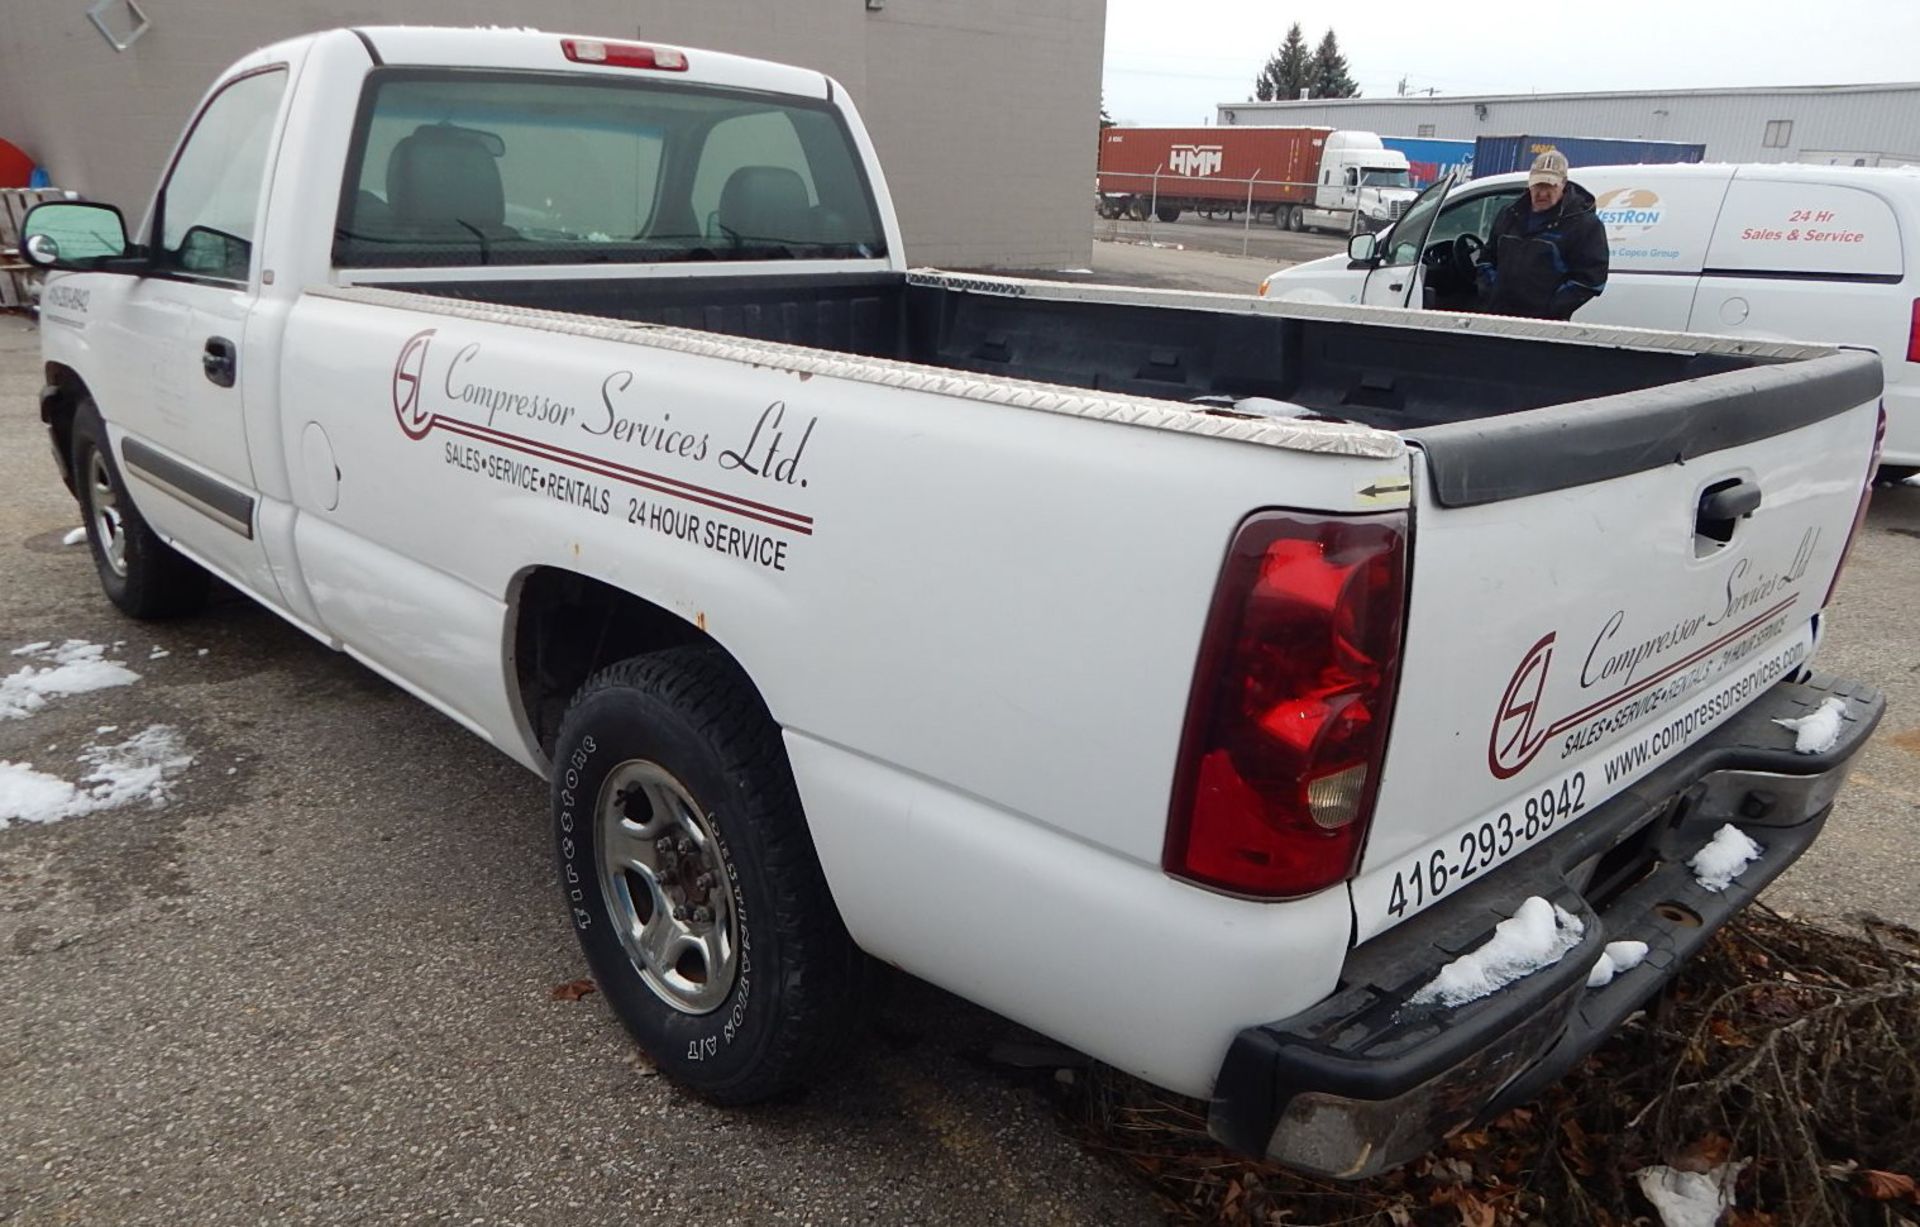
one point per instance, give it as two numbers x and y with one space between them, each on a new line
1806 228
452 168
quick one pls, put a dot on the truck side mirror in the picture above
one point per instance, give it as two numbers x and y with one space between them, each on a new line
1361 248
73 235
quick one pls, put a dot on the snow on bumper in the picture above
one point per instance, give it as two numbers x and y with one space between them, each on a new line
1369 1079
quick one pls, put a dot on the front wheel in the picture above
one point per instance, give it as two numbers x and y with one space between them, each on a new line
141 574
691 878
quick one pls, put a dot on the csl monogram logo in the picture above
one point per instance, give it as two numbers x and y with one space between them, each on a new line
407 370
1515 738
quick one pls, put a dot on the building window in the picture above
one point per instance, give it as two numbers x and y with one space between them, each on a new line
1779 134
1425 130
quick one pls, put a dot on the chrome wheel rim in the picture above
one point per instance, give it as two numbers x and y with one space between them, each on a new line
665 887
108 526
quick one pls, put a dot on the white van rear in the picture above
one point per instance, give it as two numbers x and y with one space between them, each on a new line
1782 252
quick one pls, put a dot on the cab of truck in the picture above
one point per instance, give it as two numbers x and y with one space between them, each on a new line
1360 176
1775 251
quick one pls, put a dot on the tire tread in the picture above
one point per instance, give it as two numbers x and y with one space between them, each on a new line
824 975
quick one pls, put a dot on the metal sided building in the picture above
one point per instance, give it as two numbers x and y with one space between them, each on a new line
972 106
1847 125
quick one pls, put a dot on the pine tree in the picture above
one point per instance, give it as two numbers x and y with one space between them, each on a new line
1328 73
1106 120
1288 70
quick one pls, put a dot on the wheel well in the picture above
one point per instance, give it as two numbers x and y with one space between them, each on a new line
58 402
566 627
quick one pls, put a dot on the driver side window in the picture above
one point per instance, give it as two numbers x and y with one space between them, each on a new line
211 198
1471 216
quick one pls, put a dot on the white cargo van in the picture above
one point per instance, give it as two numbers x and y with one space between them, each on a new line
1806 253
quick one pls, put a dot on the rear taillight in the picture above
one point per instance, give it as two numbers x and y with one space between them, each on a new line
623 55
1866 497
1913 333
1292 696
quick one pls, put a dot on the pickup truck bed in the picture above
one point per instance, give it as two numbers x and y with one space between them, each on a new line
1111 340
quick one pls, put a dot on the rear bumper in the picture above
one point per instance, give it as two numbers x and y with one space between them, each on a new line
1362 1082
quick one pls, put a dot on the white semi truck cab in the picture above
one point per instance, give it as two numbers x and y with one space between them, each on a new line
1363 186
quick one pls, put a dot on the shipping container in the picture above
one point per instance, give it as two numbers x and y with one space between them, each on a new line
1496 155
1199 167
1430 157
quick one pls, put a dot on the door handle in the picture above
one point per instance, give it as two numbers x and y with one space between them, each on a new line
220 361
1724 503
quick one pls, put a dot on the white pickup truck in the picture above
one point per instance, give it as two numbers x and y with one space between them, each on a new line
1187 677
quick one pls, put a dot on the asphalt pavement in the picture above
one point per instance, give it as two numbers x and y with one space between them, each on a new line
316 985
1260 241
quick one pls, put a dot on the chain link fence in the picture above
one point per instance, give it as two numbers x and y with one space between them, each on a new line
1129 204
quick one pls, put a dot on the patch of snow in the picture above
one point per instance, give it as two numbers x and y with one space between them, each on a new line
1627 955
1267 407
1689 1199
74 536
27 795
158 653
141 768
203 651
31 648
1725 857
1819 730
1082 271
1538 935
1616 958
75 667
108 728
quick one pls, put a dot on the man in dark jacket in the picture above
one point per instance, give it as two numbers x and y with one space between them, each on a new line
1547 255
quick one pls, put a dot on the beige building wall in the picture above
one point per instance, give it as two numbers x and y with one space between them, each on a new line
984 111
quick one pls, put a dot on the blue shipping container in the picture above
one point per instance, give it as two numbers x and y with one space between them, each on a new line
1496 155
1429 157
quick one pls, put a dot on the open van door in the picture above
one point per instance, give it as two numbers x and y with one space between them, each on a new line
1397 276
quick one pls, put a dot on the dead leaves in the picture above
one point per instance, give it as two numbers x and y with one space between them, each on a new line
574 990
1888 1186
1703 1155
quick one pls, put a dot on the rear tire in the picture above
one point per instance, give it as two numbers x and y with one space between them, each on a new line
1894 474
691 878
142 575
1167 213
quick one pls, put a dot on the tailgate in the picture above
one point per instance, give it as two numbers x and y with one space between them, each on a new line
1590 594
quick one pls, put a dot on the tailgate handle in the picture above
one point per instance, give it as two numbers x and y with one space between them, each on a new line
1723 503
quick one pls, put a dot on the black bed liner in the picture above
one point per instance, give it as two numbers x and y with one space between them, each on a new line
1468 399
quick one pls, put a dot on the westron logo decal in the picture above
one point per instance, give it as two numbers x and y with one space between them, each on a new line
414 420
1629 210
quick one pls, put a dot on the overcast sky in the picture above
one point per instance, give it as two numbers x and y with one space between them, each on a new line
1170 61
